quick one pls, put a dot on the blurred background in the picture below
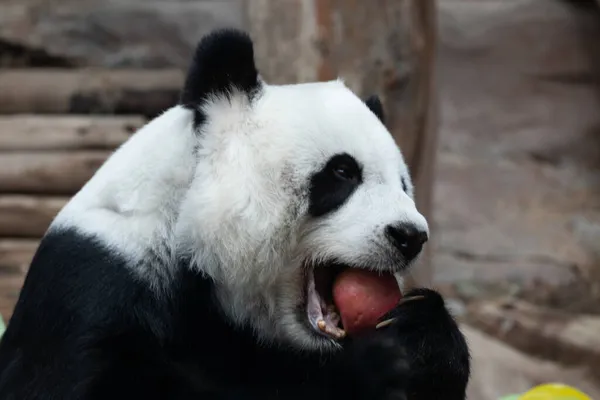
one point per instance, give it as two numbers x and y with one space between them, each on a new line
495 103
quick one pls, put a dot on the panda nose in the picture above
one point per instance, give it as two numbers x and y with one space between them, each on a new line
408 239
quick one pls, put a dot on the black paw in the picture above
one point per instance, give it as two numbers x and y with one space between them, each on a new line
436 350
380 367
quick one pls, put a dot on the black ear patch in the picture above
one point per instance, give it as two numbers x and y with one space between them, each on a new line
375 105
223 61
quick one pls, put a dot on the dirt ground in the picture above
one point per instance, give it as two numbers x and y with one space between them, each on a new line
499 370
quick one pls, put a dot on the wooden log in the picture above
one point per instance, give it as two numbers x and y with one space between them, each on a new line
379 46
16 255
571 339
48 132
89 91
27 216
10 287
49 173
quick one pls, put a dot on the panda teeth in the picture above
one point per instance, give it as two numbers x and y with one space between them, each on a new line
331 330
322 315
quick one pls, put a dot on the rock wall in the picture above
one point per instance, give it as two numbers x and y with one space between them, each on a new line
116 33
517 200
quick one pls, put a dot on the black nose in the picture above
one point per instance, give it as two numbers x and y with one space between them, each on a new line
408 239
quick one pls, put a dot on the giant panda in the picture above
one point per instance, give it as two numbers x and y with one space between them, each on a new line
187 267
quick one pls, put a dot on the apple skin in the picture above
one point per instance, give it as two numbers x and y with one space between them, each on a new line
362 297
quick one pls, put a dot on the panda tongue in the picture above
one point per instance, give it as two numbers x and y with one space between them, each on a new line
362 297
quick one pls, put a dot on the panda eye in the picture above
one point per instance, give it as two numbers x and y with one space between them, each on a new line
343 171
346 171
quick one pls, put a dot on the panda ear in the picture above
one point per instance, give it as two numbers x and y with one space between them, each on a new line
375 105
223 61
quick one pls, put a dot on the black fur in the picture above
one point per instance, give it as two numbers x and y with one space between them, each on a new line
223 62
434 345
329 188
404 185
84 328
374 104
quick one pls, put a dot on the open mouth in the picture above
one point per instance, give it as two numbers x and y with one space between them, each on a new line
343 300
322 311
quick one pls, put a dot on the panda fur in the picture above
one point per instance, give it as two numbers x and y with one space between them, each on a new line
179 270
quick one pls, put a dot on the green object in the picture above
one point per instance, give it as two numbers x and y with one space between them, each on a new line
2 326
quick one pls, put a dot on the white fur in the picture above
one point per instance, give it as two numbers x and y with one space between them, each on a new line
234 197
133 200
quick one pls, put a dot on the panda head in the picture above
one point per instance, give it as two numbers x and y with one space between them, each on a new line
292 183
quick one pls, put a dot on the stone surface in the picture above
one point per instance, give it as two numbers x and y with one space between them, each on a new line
568 338
116 33
499 370
518 176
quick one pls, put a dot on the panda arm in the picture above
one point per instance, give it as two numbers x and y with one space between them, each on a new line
84 328
434 348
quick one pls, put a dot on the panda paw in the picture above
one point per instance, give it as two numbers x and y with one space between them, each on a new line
435 349
380 368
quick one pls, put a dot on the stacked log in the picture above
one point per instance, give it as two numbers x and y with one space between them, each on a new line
88 91
27 216
48 133
44 160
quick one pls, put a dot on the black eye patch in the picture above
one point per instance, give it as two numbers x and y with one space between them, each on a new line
331 187
404 185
